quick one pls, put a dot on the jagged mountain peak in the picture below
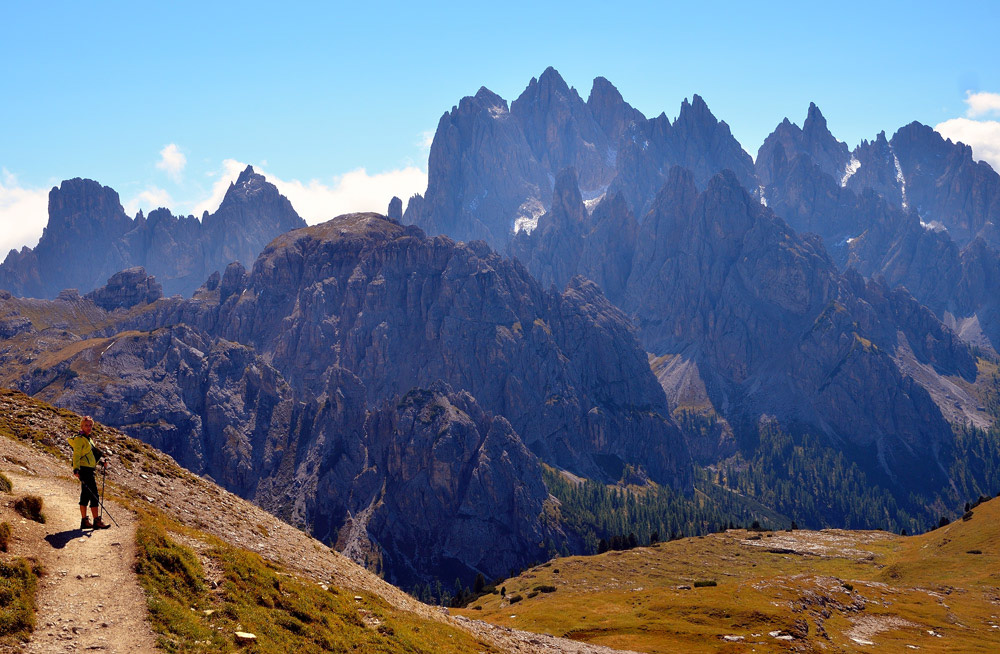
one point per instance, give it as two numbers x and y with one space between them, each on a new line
248 182
488 98
602 87
696 113
814 118
550 79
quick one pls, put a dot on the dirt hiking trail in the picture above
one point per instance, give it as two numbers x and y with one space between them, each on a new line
89 600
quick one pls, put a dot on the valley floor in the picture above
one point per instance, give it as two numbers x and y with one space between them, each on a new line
805 591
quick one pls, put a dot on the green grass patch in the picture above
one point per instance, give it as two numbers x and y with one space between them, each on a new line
18 582
5 484
285 613
30 507
705 583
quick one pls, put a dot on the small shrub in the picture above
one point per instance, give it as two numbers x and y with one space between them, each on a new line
969 552
18 581
705 583
30 506
848 587
514 599
533 593
4 536
967 516
5 484
545 588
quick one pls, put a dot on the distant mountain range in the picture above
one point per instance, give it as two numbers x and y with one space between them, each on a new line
89 238
581 291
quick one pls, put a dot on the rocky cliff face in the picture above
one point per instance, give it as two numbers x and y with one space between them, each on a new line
89 238
772 327
447 491
875 218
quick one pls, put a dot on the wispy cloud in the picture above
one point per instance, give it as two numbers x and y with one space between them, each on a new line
426 139
151 198
982 104
172 161
982 135
317 200
23 214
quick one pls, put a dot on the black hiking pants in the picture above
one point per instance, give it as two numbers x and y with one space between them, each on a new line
88 487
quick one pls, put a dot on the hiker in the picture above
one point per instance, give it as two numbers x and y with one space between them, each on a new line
85 460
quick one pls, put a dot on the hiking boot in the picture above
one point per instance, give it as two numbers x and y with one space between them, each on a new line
85 523
100 524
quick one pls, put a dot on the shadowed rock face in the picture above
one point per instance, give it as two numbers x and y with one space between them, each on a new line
89 238
569 241
770 323
448 490
400 311
867 223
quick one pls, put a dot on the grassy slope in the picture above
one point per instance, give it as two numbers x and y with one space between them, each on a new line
283 611
872 586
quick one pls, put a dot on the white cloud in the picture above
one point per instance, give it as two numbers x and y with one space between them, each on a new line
426 139
172 161
23 214
147 200
316 201
982 135
982 104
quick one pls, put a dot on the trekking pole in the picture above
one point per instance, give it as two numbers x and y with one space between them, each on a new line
100 500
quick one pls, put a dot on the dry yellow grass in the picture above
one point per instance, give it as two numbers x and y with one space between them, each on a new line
829 591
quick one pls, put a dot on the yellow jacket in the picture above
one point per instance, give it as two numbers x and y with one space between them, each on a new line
83 452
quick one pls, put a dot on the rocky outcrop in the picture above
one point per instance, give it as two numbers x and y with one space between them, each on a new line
395 211
89 238
126 289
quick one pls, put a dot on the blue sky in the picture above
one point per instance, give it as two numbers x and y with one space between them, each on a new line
165 101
